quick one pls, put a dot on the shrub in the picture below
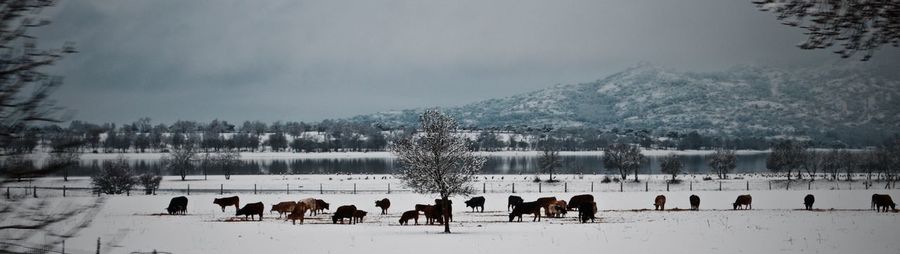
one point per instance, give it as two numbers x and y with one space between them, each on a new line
606 179
115 177
150 182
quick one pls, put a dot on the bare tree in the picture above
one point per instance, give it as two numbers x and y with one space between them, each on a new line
850 163
812 162
115 177
63 161
624 158
786 156
549 160
855 25
435 160
180 160
24 92
228 161
671 165
723 162
831 163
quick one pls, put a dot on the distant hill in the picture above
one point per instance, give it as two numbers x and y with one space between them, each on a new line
839 103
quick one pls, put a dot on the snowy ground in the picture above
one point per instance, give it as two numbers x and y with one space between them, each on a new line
127 224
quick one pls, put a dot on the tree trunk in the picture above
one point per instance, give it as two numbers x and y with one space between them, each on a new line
183 174
446 213
635 175
623 174
789 175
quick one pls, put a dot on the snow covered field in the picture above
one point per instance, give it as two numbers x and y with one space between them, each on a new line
127 224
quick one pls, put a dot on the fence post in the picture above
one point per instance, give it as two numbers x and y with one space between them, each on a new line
566 187
189 190
770 185
221 189
354 188
254 189
720 186
539 187
7 193
64 191
389 188
667 186
809 185
592 186
287 189
647 186
621 185
320 189
514 187
483 187
34 191
692 186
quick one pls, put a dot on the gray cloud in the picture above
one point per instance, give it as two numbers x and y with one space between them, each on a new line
309 60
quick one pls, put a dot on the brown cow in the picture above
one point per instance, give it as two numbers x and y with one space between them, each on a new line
283 207
311 204
881 202
659 203
545 203
384 204
342 212
560 208
229 201
430 214
298 213
251 209
695 202
526 208
358 216
404 219
577 200
743 200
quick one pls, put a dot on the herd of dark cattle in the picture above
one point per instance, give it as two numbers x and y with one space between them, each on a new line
584 204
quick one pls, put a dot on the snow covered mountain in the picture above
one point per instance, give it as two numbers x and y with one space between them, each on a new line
742 101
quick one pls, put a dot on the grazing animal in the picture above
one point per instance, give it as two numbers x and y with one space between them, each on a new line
513 201
526 208
298 213
743 200
545 203
881 202
421 207
358 216
283 207
321 206
311 204
229 201
384 204
430 215
659 203
438 209
251 209
561 207
344 211
808 201
586 211
413 214
475 203
695 202
178 205
576 201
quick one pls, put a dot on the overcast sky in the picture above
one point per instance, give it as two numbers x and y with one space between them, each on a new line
311 60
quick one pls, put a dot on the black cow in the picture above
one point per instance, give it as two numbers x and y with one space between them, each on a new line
384 204
577 200
513 201
439 209
695 202
586 211
526 208
251 209
345 211
743 201
321 206
808 201
881 202
475 203
178 205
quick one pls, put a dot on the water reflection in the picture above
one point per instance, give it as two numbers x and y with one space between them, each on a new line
514 165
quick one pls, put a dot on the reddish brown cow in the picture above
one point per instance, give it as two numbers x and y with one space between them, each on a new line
659 203
229 201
